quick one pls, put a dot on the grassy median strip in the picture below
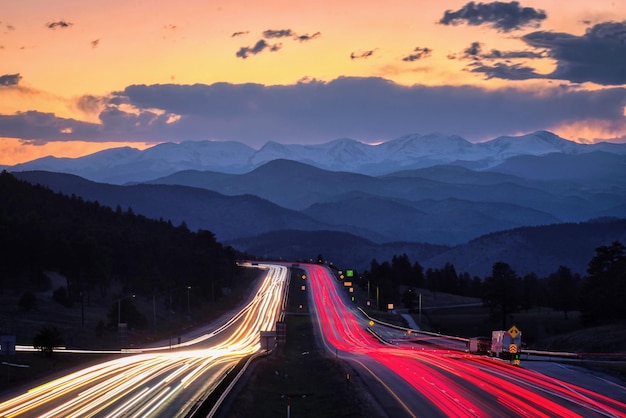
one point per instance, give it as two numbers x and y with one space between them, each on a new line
298 378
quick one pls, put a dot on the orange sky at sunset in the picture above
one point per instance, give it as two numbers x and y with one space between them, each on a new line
68 67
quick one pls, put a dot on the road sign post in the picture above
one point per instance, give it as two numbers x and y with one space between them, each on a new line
514 349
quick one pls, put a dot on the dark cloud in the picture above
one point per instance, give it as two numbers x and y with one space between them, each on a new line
117 125
509 55
7 26
95 43
288 33
60 24
475 52
472 51
417 54
282 33
241 33
262 45
362 54
9 80
91 104
502 16
307 37
598 56
244 52
132 126
43 127
367 109
506 71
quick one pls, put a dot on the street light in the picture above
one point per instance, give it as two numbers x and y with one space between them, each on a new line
119 308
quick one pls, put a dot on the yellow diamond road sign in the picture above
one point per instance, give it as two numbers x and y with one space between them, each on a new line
514 332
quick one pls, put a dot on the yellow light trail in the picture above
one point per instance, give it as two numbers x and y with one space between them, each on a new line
143 384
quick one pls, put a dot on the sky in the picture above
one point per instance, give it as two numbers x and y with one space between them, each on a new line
80 76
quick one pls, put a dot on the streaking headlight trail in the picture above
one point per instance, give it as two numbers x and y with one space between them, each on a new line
160 382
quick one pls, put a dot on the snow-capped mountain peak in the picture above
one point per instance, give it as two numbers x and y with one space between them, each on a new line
121 165
537 143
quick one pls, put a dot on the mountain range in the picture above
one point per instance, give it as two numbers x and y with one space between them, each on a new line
431 196
124 165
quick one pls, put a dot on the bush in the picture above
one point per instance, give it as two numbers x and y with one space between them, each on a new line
48 338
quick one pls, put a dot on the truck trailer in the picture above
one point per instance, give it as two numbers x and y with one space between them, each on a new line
479 345
504 345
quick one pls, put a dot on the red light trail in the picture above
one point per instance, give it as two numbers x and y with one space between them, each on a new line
455 383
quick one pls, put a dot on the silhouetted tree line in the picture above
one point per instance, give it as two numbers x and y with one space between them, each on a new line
95 246
599 295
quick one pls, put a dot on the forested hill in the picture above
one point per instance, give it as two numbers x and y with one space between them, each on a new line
97 247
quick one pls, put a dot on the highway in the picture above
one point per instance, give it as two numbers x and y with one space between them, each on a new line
161 380
423 380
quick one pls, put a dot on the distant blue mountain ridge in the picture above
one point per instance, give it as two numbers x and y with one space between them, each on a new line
437 198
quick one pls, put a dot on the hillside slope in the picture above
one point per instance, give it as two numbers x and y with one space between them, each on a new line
539 250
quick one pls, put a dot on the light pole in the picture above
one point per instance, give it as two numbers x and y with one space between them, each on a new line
188 309
119 308
377 299
420 309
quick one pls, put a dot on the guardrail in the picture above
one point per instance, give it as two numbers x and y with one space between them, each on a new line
416 331
556 355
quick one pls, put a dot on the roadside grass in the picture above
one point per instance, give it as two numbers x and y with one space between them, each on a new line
542 329
537 325
296 377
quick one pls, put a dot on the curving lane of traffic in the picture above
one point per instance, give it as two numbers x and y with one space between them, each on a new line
440 382
160 382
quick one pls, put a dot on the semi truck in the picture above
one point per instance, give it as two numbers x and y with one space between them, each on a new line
504 344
